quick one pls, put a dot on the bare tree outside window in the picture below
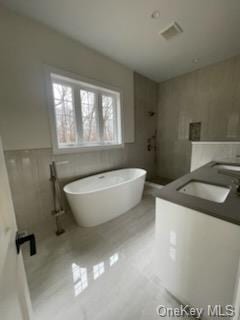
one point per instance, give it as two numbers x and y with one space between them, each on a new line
88 104
108 118
65 117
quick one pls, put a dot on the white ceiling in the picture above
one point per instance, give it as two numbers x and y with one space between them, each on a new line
124 30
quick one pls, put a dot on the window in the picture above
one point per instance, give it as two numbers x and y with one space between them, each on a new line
65 115
84 115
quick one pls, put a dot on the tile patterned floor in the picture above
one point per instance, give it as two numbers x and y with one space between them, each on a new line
101 273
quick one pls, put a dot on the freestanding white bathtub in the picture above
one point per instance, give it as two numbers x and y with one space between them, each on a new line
102 197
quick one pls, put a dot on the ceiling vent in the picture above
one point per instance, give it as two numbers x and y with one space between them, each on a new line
171 31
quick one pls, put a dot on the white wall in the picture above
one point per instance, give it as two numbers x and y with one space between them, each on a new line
25 47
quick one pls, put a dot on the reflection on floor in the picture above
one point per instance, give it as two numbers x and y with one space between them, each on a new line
104 273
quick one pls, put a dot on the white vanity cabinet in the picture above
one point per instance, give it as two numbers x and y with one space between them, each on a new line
197 255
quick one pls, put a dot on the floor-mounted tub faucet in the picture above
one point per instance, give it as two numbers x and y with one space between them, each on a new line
58 209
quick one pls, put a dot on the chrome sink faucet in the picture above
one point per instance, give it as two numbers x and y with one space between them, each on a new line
233 174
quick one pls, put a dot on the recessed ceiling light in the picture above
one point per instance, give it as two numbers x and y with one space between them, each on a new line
155 14
195 60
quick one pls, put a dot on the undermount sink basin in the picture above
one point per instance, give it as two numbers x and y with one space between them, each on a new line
227 167
206 191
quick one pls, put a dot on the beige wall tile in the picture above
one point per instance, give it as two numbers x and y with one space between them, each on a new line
210 95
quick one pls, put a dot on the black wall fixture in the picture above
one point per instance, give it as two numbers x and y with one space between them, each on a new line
151 113
195 131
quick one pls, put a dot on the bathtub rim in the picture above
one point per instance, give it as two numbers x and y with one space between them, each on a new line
144 173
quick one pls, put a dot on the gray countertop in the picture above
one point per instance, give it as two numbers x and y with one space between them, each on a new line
228 210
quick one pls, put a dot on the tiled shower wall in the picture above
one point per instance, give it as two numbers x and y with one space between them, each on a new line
211 96
29 169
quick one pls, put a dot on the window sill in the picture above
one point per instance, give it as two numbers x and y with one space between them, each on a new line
69 150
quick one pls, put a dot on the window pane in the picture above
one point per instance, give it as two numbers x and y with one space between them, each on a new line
65 114
108 119
89 116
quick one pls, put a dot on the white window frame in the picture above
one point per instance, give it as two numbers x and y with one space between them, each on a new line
77 82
